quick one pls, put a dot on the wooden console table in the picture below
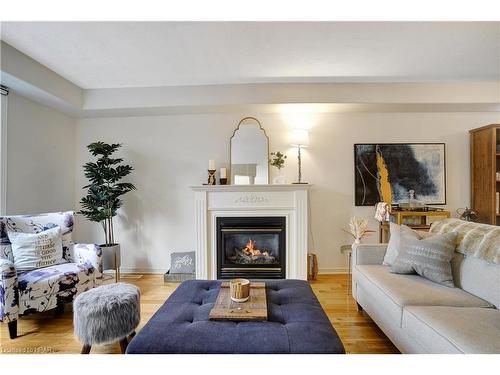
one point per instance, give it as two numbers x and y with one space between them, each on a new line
418 220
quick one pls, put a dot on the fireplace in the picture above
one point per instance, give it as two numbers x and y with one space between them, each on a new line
251 247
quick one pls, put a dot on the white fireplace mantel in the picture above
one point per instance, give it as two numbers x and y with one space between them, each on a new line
289 201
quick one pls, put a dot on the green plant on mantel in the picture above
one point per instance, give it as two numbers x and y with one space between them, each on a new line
277 160
105 189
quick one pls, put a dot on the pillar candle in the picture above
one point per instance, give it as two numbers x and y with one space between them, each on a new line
211 164
223 173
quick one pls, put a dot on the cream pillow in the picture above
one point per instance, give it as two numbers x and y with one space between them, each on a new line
394 242
36 250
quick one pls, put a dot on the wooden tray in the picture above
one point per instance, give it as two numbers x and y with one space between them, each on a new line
255 309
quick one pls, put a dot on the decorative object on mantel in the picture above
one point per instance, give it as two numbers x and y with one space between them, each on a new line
358 228
249 151
223 176
255 309
211 177
300 139
102 201
211 172
278 160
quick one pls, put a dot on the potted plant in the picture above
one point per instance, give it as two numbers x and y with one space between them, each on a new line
278 160
103 195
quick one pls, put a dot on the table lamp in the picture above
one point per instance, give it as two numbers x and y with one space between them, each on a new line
300 139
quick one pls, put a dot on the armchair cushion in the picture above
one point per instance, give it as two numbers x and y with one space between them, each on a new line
43 289
88 254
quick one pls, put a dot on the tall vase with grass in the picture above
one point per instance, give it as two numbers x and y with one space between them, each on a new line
358 228
104 193
278 160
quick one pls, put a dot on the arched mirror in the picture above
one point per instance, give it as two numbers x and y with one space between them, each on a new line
249 153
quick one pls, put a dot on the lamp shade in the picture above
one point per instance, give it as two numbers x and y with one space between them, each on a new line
300 137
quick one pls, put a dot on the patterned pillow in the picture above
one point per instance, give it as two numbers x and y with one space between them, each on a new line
430 257
182 262
36 250
35 224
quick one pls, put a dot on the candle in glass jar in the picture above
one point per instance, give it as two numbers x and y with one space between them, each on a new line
211 165
223 173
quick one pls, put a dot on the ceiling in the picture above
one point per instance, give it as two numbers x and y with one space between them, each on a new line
149 54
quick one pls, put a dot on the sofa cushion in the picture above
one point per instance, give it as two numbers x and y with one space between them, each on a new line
410 290
430 258
454 329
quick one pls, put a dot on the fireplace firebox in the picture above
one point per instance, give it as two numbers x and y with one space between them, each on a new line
251 247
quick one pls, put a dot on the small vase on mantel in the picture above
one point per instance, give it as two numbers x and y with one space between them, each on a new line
280 179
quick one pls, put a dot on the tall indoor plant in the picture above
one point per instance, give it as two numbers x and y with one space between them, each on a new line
104 191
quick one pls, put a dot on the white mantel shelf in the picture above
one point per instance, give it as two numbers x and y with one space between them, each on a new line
289 201
269 187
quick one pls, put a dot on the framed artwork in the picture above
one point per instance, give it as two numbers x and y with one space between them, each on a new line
386 172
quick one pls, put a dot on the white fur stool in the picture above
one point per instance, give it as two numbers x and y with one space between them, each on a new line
106 314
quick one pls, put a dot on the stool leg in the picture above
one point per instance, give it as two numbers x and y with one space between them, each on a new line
131 336
86 349
59 310
123 345
13 329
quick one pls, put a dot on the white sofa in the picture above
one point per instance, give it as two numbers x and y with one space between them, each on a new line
420 316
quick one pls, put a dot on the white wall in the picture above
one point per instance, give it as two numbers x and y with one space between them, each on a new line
40 158
170 153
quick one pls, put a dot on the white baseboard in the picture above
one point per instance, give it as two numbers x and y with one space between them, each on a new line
161 271
333 271
146 271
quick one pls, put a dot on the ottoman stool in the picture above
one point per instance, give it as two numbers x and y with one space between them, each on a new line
106 314
296 324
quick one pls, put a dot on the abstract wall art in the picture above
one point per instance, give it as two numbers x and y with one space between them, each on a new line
386 172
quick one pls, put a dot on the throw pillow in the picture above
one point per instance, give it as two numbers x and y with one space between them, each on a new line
430 257
182 262
36 250
393 246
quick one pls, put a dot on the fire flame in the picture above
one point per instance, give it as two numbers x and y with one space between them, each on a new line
251 248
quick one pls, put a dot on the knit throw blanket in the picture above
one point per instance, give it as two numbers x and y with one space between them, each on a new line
477 240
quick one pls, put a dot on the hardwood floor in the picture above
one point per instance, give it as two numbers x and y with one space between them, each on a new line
43 333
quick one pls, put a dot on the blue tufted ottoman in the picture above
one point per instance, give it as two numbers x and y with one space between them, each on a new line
296 324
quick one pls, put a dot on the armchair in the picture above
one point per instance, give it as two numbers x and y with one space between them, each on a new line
24 293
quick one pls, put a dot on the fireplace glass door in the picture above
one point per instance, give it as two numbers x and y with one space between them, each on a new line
251 247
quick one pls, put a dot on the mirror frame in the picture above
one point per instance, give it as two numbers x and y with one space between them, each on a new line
231 146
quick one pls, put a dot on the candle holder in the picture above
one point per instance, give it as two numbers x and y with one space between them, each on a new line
211 177
223 181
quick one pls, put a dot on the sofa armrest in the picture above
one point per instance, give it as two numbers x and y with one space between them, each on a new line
9 292
368 254
89 254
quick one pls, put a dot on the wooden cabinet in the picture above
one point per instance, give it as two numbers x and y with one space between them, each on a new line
485 163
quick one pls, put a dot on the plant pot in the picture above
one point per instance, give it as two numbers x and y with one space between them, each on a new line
111 257
280 179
